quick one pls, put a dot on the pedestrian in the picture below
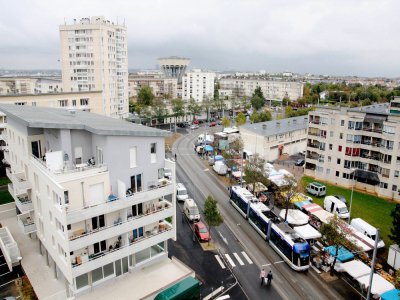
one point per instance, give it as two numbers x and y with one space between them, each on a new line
262 276
269 277
175 156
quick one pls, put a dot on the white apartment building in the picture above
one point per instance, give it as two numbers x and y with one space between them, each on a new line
275 138
92 190
198 85
363 142
161 86
94 56
272 89
29 85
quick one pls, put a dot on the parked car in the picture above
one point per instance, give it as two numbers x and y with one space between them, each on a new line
219 122
300 162
316 189
191 210
335 206
341 198
212 124
201 232
194 126
181 192
196 122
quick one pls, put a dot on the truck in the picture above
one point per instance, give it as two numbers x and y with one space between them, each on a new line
220 168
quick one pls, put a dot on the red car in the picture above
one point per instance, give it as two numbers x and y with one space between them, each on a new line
212 124
196 122
202 232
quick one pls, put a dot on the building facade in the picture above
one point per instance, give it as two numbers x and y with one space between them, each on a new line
272 89
29 85
198 85
94 56
355 147
273 139
161 86
92 190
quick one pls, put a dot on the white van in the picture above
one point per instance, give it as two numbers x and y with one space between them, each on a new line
220 167
316 189
181 192
335 206
366 229
191 210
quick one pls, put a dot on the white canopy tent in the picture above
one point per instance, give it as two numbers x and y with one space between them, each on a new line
356 268
379 284
307 232
295 217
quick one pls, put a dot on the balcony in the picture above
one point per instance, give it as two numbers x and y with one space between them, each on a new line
9 248
20 181
84 263
26 223
163 210
316 146
114 203
24 203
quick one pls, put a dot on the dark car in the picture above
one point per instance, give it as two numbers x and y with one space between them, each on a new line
201 232
300 162
341 198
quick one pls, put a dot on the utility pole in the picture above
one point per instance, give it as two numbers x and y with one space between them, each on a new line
373 264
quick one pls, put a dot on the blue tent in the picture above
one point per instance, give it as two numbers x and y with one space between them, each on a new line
391 295
343 253
300 204
218 157
208 148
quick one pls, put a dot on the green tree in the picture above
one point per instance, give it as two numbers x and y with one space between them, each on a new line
258 92
286 193
207 105
254 171
145 96
240 119
265 116
255 117
226 122
218 104
212 214
336 233
395 230
286 101
244 103
257 102
193 108
177 108
159 110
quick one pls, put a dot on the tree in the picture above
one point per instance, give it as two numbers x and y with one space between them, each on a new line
159 110
211 214
254 171
255 117
287 192
395 230
258 92
336 233
244 103
207 104
265 116
257 102
193 108
240 119
218 104
286 101
177 108
145 96
226 122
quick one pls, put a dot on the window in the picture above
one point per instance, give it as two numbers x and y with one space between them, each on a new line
329 158
99 153
330 146
328 171
338 161
347 164
341 122
137 210
153 148
63 103
73 102
337 173
383 185
389 129
394 188
84 101
340 148
99 247
331 133
349 138
98 222
396 173
132 155
153 152
341 135
136 183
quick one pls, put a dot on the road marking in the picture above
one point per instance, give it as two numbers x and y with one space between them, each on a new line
213 293
247 258
205 170
238 259
220 261
223 238
230 260
3 264
223 297
5 274
277 262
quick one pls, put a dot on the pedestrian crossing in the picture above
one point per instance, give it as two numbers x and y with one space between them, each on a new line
233 259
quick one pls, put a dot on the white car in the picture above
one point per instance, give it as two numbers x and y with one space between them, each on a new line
194 126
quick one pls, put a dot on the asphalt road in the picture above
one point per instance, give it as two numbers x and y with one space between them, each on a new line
235 237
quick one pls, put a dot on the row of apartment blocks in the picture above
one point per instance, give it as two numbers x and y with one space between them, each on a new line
92 190
356 146
30 85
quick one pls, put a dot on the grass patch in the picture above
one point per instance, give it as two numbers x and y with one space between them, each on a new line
5 197
370 208
4 181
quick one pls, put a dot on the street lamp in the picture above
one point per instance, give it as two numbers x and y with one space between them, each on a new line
352 190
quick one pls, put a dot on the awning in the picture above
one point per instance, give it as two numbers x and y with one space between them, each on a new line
343 254
311 208
379 284
391 295
300 204
356 268
188 288
366 176
323 215
307 232
294 217
208 148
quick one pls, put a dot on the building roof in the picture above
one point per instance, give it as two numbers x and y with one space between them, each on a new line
50 94
379 108
56 118
277 126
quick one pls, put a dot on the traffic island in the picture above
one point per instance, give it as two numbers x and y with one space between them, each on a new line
208 247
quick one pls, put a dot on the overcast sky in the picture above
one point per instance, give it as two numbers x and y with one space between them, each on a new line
341 37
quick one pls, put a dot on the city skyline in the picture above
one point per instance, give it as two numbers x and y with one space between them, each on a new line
335 38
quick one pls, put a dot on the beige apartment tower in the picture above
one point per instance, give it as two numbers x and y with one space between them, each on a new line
94 56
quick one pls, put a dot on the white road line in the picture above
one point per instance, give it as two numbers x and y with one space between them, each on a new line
247 257
3 264
5 274
238 259
205 170
220 261
279 262
230 260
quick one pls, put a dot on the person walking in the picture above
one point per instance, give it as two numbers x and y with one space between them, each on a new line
269 278
175 156
262 276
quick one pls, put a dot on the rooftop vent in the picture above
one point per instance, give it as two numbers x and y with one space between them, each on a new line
294 121
264 126
278 124
72 112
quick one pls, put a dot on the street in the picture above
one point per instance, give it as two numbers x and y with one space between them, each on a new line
242 249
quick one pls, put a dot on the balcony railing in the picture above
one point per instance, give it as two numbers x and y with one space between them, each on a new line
160 206
313 146
24 203
91 258
26 223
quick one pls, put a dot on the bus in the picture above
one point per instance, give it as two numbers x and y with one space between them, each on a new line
293 249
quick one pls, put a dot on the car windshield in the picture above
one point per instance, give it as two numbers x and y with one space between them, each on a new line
182 192
343 210
304 253
203 230
194 211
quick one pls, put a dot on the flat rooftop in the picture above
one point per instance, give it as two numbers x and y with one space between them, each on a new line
56 118
151 279
277 126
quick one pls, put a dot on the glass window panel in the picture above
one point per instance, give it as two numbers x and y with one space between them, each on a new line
118 270
82 281
142 255
97 274
108 270
124 265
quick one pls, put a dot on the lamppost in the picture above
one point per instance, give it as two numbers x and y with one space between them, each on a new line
353 173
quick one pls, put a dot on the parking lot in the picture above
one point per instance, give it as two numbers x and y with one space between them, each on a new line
289 165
